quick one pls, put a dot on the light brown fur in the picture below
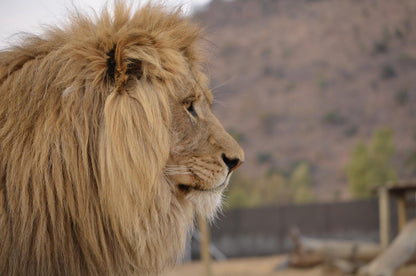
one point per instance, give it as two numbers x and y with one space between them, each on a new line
103 161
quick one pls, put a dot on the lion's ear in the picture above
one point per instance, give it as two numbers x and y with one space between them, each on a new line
119 67
111 65
134 68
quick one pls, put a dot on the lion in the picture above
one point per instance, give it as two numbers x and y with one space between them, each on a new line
108 145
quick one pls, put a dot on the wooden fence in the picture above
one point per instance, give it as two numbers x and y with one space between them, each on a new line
264 231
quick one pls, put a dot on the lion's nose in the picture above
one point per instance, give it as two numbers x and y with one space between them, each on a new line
232 164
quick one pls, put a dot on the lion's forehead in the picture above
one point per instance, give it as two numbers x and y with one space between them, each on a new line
199 84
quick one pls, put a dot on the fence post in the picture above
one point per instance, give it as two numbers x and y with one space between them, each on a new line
401 210
384 216
206 257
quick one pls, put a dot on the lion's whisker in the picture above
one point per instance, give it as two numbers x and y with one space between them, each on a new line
176 173
176 169
222 84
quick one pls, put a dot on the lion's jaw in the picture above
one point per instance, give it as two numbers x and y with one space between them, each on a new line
208 202
204 201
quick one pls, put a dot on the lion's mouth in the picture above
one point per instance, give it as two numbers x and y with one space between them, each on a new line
188 188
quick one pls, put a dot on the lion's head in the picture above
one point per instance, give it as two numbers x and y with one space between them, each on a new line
108 145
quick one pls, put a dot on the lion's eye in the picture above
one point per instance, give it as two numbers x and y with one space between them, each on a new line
191 109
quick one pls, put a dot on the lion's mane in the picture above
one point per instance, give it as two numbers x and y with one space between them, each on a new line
82 189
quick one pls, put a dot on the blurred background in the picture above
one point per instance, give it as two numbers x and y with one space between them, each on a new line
321 95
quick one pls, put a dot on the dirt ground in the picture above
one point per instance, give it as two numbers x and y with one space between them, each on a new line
265 266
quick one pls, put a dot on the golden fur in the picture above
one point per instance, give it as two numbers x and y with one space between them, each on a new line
108 146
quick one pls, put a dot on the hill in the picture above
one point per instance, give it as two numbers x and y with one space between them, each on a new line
306 80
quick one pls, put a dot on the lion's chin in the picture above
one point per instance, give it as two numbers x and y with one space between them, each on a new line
206 204
205 201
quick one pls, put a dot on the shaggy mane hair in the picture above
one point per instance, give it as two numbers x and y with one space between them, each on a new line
84 138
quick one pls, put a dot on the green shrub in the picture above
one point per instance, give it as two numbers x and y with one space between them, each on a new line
264 157
351 131
380 47
370 166
334 118
322 81
411 160
399 34
401 96
267 70
272 188
301 183
387 72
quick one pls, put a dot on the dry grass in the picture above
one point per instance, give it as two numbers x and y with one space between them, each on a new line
265 266
243 267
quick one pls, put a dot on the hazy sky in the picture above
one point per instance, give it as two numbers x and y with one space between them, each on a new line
28 15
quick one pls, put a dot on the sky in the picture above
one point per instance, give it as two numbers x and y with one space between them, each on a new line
18 16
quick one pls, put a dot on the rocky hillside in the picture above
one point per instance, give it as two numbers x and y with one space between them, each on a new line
305 80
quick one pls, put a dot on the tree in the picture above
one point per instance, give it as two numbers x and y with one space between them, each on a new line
411 161
301 183
370 165
271 188
265 190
